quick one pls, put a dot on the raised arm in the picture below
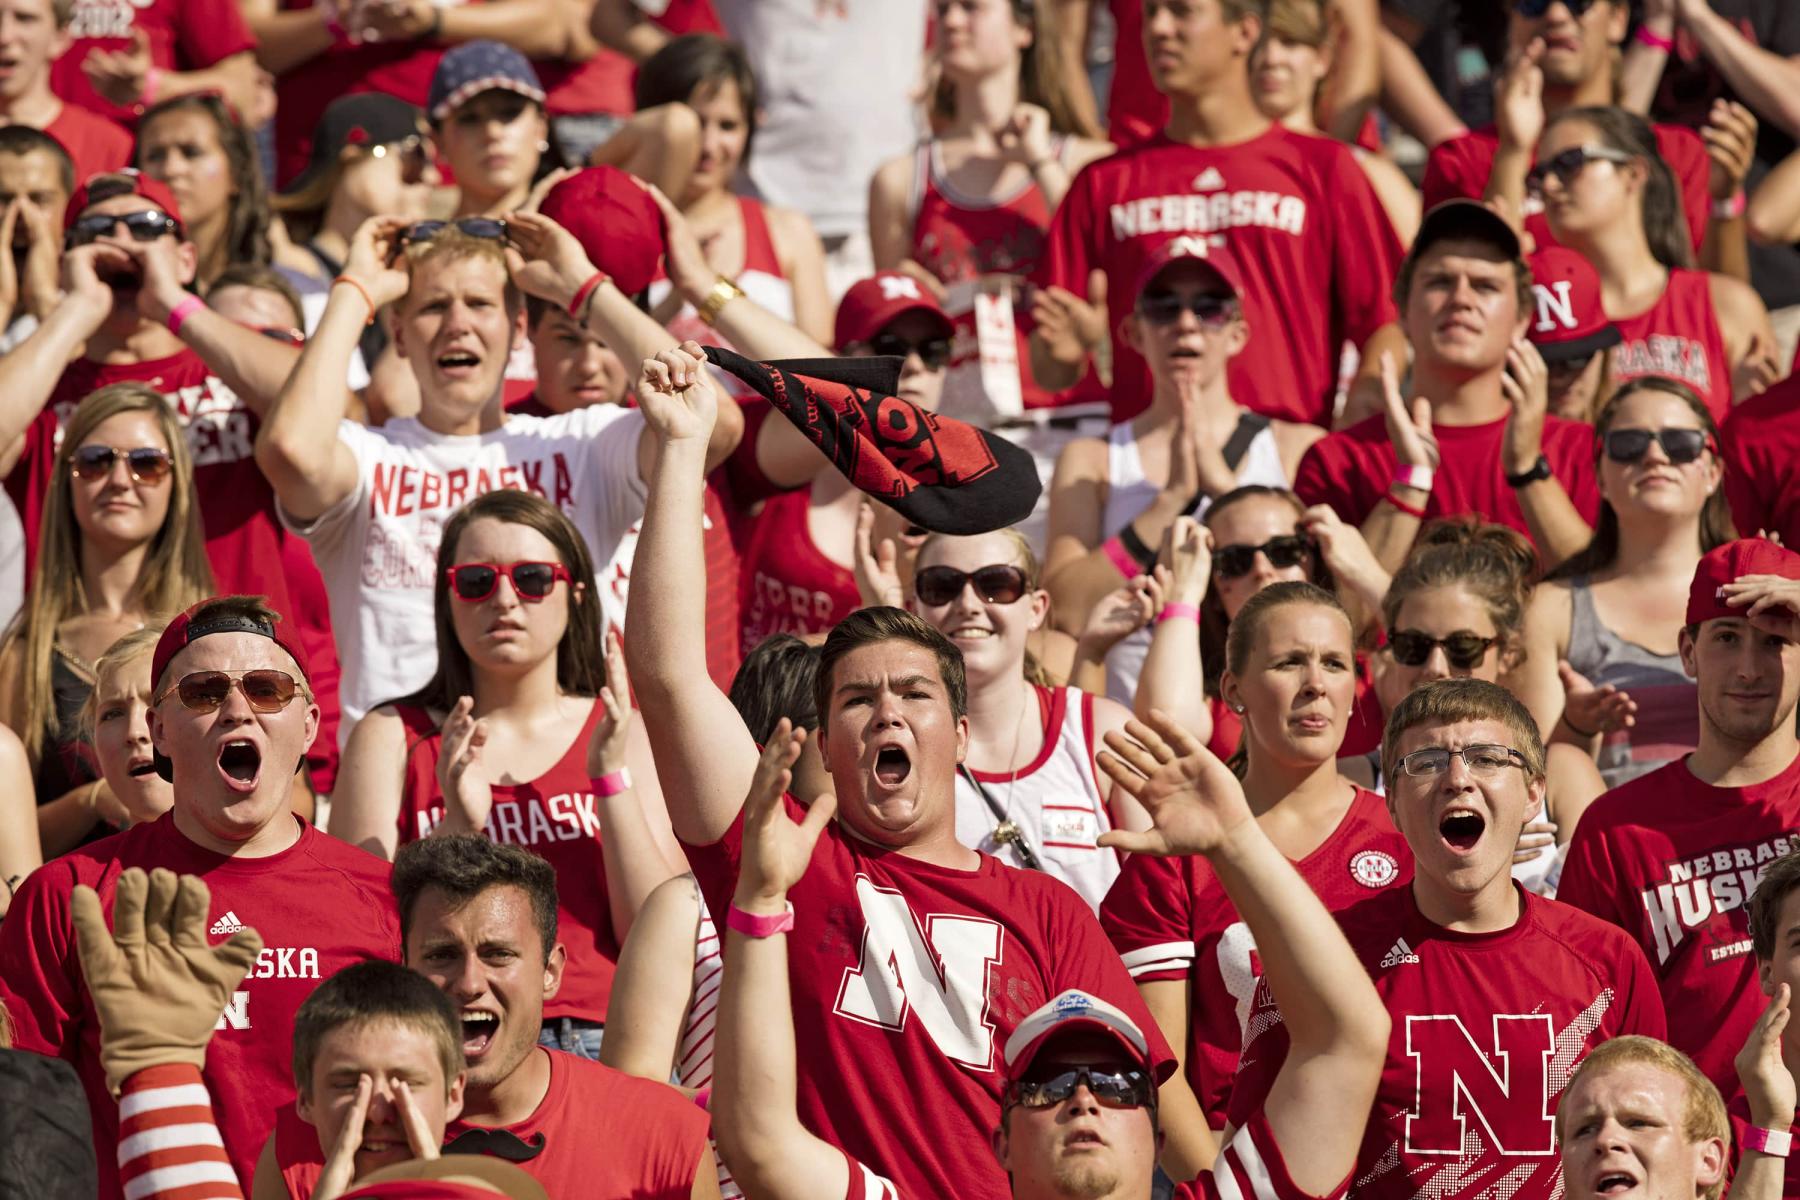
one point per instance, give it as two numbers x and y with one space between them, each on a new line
1170 679
1774 212
1557 528
1390 529
28 374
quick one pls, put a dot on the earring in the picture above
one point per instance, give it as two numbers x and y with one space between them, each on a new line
1237 708
544 146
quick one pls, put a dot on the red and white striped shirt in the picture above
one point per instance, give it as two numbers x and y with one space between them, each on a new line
694 1057
169 1143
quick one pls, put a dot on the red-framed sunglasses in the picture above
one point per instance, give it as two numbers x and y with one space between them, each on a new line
532 581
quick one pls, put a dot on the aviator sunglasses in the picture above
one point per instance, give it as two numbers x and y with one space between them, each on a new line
934 352
1213 312
1113 1089
205 691
532 581
144 226
148 464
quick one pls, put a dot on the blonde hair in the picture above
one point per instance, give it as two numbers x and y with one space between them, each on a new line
174 574
139 643
1302 22
1024 558
451 244
1454 701
1703 1111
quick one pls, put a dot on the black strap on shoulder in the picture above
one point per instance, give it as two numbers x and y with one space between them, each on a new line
1238 444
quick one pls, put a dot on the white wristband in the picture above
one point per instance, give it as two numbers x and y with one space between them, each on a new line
1418 478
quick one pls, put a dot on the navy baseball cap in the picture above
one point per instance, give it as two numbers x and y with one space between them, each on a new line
476 67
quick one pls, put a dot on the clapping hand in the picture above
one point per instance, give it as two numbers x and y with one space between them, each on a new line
462 776
1768 1084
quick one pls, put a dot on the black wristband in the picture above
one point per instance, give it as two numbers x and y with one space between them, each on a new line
1134 546
1536 471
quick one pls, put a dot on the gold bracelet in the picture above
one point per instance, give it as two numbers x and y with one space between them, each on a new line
724 291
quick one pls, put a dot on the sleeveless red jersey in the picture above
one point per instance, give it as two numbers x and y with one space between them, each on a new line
556 817
789 586
1679 337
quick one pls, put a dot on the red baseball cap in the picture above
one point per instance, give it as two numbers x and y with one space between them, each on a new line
615 220
1074 1012
1190 248
124 182
1729 563
874 303
1571 320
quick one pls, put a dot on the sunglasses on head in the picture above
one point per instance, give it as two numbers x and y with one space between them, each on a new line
934 352
998 584
1537 8
205 691
1462 650
145 225
1570 163
148 463
1288 550
490 228
531 581
1129 1088
1678 445
1165 308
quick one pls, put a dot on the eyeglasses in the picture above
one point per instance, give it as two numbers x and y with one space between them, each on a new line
933 352
1567 165
148 464
1462 649
1679 445
490 228
1113 1089
282 334
475 582
1481 760
204 691
145 225
1288 550
998 584
1214 312
411 154
1537 8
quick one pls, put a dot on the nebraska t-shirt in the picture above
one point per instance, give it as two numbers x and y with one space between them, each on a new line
184 35
1313 243
1760 443
1171 920
1673 861
1488 1029
907 979
1353 468
96 144
378 546
320 905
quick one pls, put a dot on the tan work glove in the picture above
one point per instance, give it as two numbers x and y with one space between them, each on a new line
158 986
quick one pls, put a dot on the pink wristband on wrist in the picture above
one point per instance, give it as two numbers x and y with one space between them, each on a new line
703 1099
1120 557
152 84
1776 1143
612 783
751 925
1178 611
181 312
1656 41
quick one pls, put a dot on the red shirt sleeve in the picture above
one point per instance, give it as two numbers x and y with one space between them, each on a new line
1330 474
210 30
1071 251
1643 998
39 978
1451 173
1365 251
1147 914
1587 872
1086 960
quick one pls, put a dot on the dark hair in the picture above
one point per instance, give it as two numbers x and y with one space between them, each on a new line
1664 220
580 656
1214 624
247 227
778 679
23 139
1715 515
1041 80
1453 701
690 62
1780 881
370 992
262 278
1494 562
1240 639
881 624
464 865
1409 266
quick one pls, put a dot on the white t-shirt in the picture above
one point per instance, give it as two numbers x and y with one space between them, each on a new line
377 547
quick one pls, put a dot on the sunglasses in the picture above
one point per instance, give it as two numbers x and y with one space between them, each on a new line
1214 312
204 691
1570 163
1568 369
278 333
1113 1089
1537 8
144 226
1462 649
1481 760
1288 550
411 154
933 352
148 464
532 581
490 228
999 584
1679 445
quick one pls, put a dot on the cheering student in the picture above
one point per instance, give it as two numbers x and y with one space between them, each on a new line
1078 1114
1291 678
231 720
40 38
36 180
1495 993
1674 855
880 1007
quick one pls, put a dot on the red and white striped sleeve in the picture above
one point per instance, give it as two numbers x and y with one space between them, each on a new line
169 1144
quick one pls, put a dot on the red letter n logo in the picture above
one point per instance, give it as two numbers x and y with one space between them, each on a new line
1456 1078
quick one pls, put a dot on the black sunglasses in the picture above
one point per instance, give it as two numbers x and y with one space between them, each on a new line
1165 308
1114 1089
998 584
145 225
1567 369
1462 650
1680 445
1537 8
476 581
491 228
1567 165
148 463
934 352
1288 550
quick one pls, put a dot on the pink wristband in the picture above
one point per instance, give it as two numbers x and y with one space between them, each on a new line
703 1099
612 783
751 925
152 84
1177 611
181 312
1120 557
1776 1143
1656 41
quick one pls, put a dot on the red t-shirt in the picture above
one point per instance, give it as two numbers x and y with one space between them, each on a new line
1352 469
1678 337
1171 920
907 979
96 144
1760 443
1135 111
602 84
320 906
184 35
1488 1028
1673 861
1314 245
1460 166
555 816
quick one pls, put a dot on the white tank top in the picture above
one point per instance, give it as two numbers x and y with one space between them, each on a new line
1055 801
1128 494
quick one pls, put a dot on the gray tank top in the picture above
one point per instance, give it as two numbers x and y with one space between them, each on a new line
1668 713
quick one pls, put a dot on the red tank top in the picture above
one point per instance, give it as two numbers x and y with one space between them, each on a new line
556 817
1678 337
789 585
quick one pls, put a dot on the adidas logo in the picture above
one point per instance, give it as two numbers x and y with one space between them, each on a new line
229 923
1209 180
1400 953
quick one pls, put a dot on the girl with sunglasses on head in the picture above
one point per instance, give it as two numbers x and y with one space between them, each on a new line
198 147
120 542
524 734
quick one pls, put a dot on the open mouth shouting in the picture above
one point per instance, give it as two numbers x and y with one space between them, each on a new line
1614 1183
892 766
240 763
458 364
141 768
479 1028
1461 829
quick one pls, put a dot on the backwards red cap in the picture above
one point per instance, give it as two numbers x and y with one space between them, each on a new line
872 304
184 631
153 190
1729 563
615 220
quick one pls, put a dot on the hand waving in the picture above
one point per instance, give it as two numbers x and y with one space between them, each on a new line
776 850
1193 799
676 393
877 564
